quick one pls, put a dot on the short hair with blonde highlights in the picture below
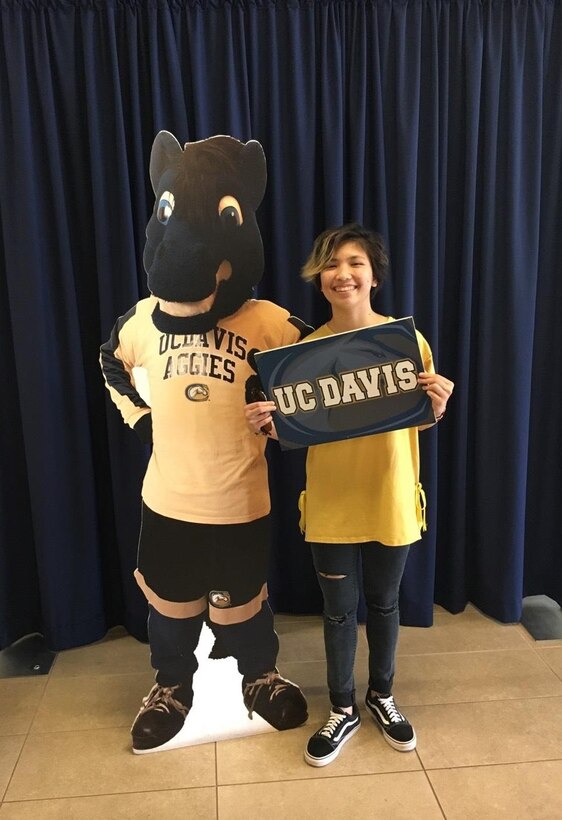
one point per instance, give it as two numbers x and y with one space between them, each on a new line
327 243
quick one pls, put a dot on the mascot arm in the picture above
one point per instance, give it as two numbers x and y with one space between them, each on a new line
143 428
297 330
117 362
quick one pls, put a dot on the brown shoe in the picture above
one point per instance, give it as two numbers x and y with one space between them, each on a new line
160 718
277 700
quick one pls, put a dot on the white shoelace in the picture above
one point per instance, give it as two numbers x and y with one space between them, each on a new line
391 710
333 722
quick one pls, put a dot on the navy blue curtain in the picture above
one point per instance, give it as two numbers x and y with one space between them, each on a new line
437 122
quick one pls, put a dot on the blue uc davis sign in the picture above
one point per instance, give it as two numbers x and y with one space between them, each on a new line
346 385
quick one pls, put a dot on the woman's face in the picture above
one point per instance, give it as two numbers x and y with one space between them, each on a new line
348 278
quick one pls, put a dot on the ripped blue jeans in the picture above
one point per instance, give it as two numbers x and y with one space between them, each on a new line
382 569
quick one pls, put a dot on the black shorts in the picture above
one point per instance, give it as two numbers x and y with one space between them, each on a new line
181 561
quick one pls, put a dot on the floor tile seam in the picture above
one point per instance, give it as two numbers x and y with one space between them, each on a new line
14 767
544 643
43 678
91 675
483 631
456 766
37 708
538 648
408 704
42 732
105 794
281 661
100 729
547 666
490 651
322 778
434 793
54 662
537 698
493 764
442 621
216 780
559 676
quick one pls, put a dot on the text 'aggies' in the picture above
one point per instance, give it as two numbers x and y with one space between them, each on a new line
213 363
354 386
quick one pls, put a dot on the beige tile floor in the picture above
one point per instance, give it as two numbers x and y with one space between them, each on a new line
485 698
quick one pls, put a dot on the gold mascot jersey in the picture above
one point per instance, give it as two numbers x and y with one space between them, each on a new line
365 489
206 465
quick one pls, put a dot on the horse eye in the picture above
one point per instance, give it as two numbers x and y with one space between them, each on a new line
230 216
165 207
230 212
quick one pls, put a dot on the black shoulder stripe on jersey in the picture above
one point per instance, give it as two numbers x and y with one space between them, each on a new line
114 369
304 329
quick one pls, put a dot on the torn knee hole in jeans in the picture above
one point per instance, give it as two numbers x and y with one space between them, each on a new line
332 577
336 620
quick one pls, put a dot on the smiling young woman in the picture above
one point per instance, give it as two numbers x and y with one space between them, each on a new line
363 504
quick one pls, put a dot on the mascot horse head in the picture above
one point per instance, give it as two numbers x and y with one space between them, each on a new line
203 245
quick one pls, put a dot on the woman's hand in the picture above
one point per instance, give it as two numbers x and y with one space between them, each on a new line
439 390
259 418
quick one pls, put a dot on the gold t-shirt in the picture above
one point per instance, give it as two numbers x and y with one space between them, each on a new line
206 466
365 489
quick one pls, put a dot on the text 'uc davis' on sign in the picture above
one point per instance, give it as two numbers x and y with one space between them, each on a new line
354 386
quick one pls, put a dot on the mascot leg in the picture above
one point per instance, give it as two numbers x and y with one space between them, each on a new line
177 607
254 644
163 712
242 621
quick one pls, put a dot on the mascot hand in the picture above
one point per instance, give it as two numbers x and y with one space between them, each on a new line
143 428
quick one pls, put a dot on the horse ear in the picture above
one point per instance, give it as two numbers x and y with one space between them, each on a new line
164 148
255 171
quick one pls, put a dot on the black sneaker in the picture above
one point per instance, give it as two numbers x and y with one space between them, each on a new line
160 718
277 700
325 744
395 728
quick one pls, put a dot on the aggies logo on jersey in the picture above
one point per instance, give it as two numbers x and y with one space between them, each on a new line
197 392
